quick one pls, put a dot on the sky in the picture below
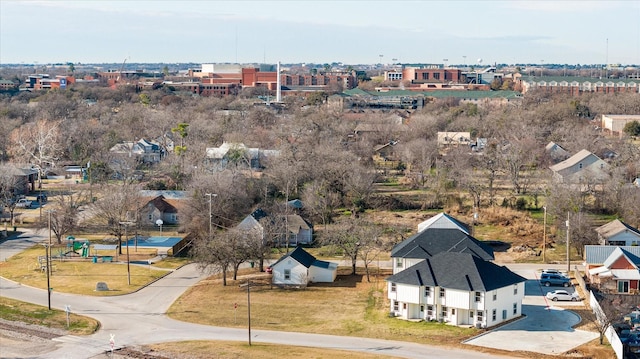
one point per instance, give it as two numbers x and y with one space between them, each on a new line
310 31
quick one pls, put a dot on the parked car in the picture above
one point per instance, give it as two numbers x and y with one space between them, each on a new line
551 271
41 198
548 279
23 203
562 294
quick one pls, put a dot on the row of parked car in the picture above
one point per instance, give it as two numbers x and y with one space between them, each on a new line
553 277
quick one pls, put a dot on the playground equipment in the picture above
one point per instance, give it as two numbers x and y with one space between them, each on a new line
80 246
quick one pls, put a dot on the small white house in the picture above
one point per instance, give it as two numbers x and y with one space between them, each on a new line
299 268
456 288
618 233
583 167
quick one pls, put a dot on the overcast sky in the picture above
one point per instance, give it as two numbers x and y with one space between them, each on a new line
353 32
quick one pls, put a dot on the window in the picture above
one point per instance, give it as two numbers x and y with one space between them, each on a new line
515 308
493 315
478 297
398 262
404 305
395 305
436 76
427 291
443 313
287 274
150 217
495 295
429 310
515 289
422 309
425 75
471 314
504 314
453 311
623 286
393 287
580 165
441 292
480 315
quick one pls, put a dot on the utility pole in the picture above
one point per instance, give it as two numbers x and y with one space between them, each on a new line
48 261
568 243
248 284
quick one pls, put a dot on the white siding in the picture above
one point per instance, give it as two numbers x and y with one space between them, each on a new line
629 238
298 273
323 275
405 263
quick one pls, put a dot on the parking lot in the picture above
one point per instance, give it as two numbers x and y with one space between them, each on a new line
547 327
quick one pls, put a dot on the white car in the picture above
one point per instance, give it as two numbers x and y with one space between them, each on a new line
562 294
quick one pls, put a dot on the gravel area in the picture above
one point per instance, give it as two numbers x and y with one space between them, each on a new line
19 340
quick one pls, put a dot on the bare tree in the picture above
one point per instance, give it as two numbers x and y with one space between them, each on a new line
8 183
213 254
120 204
38 144
320 200
356 239
64 214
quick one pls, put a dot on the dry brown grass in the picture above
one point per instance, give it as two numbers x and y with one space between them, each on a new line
236 350
349 307
77 277
18 311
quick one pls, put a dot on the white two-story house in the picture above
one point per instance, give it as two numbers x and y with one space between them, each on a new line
457 288
431 241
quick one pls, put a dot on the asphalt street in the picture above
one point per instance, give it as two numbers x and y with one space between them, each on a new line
138 319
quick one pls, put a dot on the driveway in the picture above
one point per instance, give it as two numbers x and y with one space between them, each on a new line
547 327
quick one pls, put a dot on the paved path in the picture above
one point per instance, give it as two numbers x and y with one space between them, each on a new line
139 318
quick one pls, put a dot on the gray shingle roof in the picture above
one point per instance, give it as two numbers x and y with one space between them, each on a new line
460 271
305 258
432 241
614 227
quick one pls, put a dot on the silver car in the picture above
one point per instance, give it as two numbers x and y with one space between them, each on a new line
562 294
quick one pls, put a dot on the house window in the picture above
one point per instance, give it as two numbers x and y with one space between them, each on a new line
493 315
623 286
443 313
150 217
441 292
429 310
480 315
504 314
495 295
515 289
478 296
580 165
393 287
287 274
404 305
436 76
427 291
453 311
515 308
422 309
395 305
471 314
399 263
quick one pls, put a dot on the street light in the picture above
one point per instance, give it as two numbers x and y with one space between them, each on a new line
544 235
210 195
127 224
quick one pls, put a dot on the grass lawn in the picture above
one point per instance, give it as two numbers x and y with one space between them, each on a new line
79 276
18 311
350 306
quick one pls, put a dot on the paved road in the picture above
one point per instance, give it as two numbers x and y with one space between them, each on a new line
139 318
